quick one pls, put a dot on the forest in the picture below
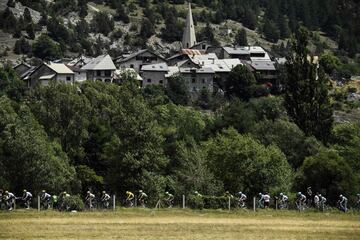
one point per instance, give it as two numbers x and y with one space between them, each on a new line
120 137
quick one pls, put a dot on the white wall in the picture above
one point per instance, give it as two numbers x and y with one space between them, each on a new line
203 80
155 77
80 76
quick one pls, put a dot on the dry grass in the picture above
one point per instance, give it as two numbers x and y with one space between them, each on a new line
176 224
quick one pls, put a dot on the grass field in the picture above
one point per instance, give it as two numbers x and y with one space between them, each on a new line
178 224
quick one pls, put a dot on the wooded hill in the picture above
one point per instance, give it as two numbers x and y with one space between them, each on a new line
126 24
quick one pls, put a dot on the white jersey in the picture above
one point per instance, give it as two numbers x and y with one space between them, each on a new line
106 197
242 197
45 196
284 198
10 196
266 197
27 195
316 199
322 200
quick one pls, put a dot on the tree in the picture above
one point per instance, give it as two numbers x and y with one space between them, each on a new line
327 173
289 138
146 29
102 23
241 38
243 164
27 16
207 34
177 90
240 83
11 3
250 19
28 157
330 63
22 46
46 49
121 13
271 31
307 91
8 22
30 31
11 85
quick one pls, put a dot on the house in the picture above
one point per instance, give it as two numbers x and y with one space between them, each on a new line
79 74
198 79
139 59
101 68
50 72
157 73
265 71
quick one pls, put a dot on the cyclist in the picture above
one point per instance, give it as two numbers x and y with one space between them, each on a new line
26 198
1 198
322 202
89 200
129 198
300 201
358 201
283 201
45 199
63 204
343 203
241 200
105 199
264 201
9 198
142 198
317 200
169 199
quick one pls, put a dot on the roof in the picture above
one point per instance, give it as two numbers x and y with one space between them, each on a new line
22 63
220 65
172 71
196 70
127 57
47 77
59 68
76 68
263 65
78 60
159 67
244 50
26 74
102 62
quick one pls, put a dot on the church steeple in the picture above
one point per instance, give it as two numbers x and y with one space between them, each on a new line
189 37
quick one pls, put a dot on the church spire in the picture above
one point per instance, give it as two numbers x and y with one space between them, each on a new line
189 37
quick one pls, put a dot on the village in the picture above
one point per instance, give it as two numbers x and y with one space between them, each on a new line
199 64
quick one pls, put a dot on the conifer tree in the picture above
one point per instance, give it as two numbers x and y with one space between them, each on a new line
307 91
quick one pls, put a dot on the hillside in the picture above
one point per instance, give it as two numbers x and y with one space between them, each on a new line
115 26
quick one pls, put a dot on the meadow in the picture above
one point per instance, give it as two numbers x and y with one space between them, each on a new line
178 224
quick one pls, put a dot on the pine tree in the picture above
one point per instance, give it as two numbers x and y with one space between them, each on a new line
27 16
30 31
11 3
307 91
241 38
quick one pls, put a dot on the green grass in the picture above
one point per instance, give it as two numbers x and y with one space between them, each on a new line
178 224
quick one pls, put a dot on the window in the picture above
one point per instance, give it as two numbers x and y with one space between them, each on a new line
149 80
107 73
98 73
203 80
131 65
161 81
193 80
68 78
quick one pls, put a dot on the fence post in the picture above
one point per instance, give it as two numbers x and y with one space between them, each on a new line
135 204
229 204
254 204
114 206
276 204
183 202
38 203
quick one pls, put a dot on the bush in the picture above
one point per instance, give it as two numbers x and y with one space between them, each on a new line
74 203
210 202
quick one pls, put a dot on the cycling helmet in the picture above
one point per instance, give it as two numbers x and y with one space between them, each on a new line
140 191
240 193
43 191
166 192
281 194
